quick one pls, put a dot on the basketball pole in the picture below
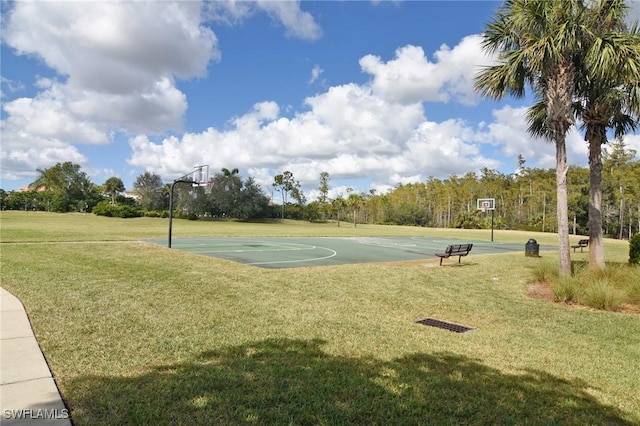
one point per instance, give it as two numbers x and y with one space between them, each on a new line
492 210
182 179
171 204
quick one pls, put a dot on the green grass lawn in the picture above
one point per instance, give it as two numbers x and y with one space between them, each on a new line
140 334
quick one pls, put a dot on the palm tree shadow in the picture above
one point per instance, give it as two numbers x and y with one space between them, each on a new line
280 381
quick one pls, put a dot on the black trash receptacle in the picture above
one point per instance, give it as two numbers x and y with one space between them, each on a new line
532 248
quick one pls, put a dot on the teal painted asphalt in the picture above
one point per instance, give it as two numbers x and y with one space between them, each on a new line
323 251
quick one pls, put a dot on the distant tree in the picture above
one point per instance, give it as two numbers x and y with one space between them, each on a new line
619 166
149 189
67 188
287 185
253 203
112 187
226 193
323 198
228 173
3 199
338 205
354 201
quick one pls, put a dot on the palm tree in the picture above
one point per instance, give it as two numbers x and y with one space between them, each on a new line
228 173
609 88
537 42
112 187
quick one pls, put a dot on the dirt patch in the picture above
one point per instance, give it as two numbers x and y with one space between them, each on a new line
542 291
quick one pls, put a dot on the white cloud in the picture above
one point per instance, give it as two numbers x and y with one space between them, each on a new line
36 153
376 132
116 63
411 77
348 133
633 142
296 22
315 74
12 86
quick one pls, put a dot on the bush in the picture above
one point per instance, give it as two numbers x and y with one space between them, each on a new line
608 288
565 289
601 293
545 272
104 208
634 249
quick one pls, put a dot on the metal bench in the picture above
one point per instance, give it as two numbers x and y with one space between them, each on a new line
581 245
455 250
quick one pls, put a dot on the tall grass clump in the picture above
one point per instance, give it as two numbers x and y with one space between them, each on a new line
607 289
601 293
545 272
565 289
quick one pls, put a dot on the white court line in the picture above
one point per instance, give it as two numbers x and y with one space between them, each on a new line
313 259
393 245
281 248
284 247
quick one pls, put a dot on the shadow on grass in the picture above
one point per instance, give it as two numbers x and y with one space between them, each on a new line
295 382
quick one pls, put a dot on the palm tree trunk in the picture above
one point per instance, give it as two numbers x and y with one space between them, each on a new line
559 93
596 246
621 216
562 168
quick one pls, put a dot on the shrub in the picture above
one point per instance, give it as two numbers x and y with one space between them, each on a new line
634 249
104 208
601 293
545 272
633 290
607 288
564 289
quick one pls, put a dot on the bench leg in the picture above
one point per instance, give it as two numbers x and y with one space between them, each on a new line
459 259
441 261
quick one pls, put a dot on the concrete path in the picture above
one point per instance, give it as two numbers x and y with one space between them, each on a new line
28 394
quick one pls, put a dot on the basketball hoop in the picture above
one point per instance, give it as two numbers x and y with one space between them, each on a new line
486 204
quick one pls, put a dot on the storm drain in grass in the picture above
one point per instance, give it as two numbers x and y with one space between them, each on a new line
456 328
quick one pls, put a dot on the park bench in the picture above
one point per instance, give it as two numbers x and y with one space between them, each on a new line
455 250
581 245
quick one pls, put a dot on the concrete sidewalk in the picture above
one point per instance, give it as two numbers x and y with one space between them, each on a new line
28 394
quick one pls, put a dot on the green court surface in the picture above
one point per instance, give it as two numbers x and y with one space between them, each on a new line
313 251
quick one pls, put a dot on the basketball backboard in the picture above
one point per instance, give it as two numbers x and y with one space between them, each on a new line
485 204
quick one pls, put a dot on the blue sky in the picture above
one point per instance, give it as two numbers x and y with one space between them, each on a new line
374 93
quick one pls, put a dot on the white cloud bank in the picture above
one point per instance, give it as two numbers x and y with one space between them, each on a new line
116 63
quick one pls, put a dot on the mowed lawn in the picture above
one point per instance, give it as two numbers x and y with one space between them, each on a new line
141 334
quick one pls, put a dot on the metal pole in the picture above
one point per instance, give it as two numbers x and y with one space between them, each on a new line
181 180
171 211
492 225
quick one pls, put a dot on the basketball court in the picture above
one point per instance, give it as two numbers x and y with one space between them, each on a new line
322 251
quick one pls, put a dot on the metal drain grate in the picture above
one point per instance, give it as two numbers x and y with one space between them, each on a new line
456 328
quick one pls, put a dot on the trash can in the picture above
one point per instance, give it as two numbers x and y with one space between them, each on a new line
532 248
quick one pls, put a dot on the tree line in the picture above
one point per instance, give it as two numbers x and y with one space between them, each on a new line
66 188
524 200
